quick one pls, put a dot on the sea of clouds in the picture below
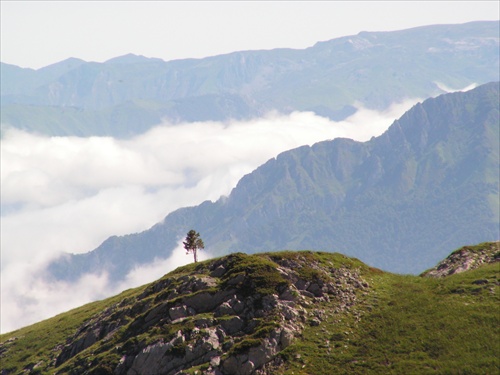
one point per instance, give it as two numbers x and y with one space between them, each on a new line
68 194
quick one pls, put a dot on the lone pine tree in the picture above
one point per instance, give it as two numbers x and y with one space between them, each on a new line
192 243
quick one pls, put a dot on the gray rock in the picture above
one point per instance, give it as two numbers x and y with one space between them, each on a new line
465 259
233 325
263 353
202 283
289 294
288 312
269 302
237 305
246 368
314 322
215 361
315 289
230 366
82 343
239 278
305 293
157 312
224 309
204 322
301 284
149 360
204 301
178 312
286 338
212 341
218 272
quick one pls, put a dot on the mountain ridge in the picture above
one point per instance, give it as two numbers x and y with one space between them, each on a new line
275 313
429 182
330 78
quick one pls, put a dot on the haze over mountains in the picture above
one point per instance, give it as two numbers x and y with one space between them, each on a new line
130 94
427 186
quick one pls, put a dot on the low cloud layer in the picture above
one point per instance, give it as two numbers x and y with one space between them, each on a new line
448 89
68 194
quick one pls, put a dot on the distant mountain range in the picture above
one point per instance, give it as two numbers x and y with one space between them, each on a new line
130 94
399 202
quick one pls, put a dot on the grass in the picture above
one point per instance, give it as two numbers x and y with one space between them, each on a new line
400 324
409 325
35 343
264 278
480 248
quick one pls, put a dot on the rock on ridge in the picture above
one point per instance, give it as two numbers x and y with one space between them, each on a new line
232 315
465 259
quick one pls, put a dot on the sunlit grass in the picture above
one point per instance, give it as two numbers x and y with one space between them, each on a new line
399 325
410 325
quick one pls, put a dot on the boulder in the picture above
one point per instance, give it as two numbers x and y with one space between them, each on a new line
233 325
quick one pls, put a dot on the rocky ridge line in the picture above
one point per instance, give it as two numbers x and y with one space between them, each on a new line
229 316
465 259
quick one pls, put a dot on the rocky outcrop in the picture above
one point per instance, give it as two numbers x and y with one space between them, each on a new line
466 258
233 315
274 313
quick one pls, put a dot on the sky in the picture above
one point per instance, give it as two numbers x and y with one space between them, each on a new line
68 194
39 33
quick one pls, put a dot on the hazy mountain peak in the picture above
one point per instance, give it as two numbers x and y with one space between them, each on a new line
69 63
131 58
372 69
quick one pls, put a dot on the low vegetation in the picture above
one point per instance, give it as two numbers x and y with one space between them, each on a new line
398 323
410 324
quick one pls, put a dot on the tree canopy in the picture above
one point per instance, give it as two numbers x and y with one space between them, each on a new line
193 243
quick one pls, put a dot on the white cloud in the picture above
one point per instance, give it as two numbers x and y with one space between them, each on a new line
35 298
68 194
151 272
27 298
448 89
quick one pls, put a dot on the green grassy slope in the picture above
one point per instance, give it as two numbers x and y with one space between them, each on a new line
398 323
410 325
